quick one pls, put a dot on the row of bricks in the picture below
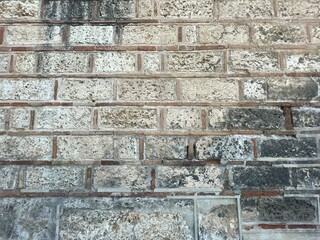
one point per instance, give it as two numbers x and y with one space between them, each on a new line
127 35
209 178
171 62
173 118
158 9
152 148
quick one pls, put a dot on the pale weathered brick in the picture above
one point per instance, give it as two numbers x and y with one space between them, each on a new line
17 9
279 34
65 62
183 119
55 178
303 62
32 35
27 89
115 62
146 90
210 89
126 148
151 62
9 177
123 9
150 34
25 148
254 61
20 119
224 34
299 9
25 63
184 9
121 118
63 118
78 148
306 117
4 63
167 148
195 62
195 178
91 35
254 9
121 178
86 90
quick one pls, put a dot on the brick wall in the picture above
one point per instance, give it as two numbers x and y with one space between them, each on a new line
160 119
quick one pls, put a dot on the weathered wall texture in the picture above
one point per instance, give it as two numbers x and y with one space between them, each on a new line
159 119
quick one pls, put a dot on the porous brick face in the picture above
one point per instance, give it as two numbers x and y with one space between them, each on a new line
160 119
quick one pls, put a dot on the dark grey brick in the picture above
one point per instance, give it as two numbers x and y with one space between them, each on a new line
306 177
110 9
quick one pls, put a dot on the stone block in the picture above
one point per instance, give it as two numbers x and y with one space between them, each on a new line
315 34
55 178
25 148
255 61
25 63
126 147
303 62
195 62
20 119
63 118
166 148
89 90
210 89
145 8
91 35
65 62
9 178
4 62
183 118
151 62
146 90
20 9
249 211
190 34
246 118
78 148
27 89
128 118
207 178
121 178
306 117
2 118
115 62
280 235
117 9
306 178
278 147
299 10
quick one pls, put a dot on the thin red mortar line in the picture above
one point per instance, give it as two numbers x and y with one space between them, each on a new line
272 226
32 119
191 148
11 64
275 8
39 63
302 226
180 34
203 119
282 61
255 149
54 147
141 147
91 63
264 193
42 9
155 8
1 35
309 33
95 11
162 117
55 90
310 132
139 62
153 179
178 90
241 90
7 119
162 63
95 119
21 178
287 112
65 34
225 61
89 178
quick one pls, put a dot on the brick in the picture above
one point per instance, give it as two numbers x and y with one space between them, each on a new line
255 61
115 62
306 177
182 118
166 148
252 9
55 178
126 148
33 35
78 148
25 148
279 34
195 62
25 63
251 178
183 9
121 178
256 89
218 219
288 209
65 62
210 89
27 89
4 63
68 10
145 8
146 90
149 35
246 118
63 118
90 90
224 34
117 9
190 34
91 35
301 9
2 118
135 218
9 177
195 178
151 62
27 217
136 118
315 34
306 117
234 148
287 147
303 62
19 9
20 119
